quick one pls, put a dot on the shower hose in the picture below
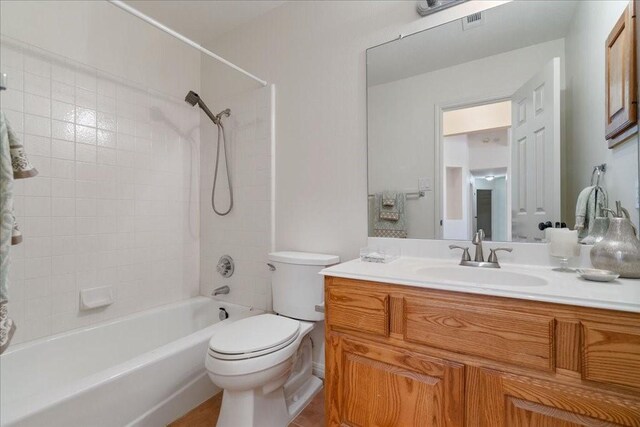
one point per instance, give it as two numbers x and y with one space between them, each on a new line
221 133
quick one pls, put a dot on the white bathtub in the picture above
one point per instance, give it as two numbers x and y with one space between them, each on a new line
145 369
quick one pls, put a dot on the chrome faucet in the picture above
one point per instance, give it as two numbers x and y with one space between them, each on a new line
479 261
222 290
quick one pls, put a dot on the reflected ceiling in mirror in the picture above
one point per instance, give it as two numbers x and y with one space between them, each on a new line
467 122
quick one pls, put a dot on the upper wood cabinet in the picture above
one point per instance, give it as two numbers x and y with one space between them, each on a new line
621 79
404 356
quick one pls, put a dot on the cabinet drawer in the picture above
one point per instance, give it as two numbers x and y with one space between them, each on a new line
355 310
502 335
611 354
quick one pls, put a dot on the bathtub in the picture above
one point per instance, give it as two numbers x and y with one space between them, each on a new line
145 369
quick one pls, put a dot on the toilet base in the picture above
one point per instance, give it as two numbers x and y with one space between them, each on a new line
253 409
269 406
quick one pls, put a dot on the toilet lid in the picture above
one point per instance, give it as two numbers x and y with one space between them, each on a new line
256 334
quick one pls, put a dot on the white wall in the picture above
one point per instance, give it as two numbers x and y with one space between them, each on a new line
116 199
401 129
587 146
490 155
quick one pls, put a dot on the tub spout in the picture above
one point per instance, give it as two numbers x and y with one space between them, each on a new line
222 290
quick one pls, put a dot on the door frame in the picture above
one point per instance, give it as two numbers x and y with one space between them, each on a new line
440 109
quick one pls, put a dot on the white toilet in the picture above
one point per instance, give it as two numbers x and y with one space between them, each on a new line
263 362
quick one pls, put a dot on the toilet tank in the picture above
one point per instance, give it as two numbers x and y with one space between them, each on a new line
296 286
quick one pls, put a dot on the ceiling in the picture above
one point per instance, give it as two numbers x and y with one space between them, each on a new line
507 27
203 21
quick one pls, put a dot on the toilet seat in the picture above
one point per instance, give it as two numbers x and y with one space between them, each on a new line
254 337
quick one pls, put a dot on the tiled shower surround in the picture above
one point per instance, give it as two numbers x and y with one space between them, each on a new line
116 199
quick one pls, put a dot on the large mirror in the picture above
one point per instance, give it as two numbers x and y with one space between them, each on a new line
494 122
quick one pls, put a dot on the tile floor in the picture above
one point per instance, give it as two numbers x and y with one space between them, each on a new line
206 414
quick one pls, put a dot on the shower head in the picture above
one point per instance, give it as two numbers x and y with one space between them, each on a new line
192 98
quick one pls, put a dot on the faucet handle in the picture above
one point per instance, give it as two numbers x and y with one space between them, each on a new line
492 254
465 252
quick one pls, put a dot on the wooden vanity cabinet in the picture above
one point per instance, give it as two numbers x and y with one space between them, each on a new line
404 356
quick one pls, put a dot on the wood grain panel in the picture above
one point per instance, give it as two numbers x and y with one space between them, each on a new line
518 338
397 314
506 400
568 345
380 386
360 311
611 354
522 413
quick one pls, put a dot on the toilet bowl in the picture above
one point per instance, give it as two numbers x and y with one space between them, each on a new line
252 361
264 363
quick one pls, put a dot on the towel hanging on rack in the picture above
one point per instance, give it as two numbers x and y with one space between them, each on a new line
7 221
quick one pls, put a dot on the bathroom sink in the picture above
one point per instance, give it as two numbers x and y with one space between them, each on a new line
480 276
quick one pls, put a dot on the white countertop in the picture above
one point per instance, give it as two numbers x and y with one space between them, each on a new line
561 288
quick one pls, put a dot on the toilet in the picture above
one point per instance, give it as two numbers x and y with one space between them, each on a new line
264 363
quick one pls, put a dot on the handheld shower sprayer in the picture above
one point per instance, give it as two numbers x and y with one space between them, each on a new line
192 99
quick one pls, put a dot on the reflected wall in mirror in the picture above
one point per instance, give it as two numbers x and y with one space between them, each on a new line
494 121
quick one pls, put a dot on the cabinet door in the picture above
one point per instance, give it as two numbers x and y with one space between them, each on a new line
496 399
372 385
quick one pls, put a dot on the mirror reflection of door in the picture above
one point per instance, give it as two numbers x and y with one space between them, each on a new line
483 209
475 142
536 153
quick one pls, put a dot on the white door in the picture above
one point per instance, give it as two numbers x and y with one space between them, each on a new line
535 154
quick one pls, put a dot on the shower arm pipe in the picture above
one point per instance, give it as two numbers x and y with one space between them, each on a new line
135 12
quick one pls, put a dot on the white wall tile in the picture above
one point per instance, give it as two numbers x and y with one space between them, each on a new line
63 92
37 85
86 153
61 149
12 100
36 125
63 111
63 130
86 135
85 117
37 206
62 168
84 223
38 105
38 186
62 206
37 145
37 66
